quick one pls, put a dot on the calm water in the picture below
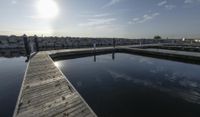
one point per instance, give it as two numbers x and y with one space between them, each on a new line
127 85
11 76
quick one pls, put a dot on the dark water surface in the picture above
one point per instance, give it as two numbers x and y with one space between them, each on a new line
128 85
11 76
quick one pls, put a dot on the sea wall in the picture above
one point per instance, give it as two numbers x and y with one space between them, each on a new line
46 43
11 42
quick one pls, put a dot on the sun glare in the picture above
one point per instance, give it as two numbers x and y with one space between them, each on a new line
57 64
47 9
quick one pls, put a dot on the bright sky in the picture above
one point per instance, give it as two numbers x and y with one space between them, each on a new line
101 18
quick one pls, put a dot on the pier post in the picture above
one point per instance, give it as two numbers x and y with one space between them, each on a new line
114 43
94 46
36 43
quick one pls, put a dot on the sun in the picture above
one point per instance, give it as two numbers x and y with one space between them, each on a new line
47 9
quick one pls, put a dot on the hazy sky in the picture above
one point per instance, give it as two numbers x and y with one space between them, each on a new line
101 18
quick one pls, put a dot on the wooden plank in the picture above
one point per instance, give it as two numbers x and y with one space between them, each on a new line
46 92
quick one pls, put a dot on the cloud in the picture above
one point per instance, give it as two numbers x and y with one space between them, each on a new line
101 15
14 2
95 15
188 1
136 19
191 1
37 17
162 3
95 22
166 5
112 2
144 19
170 7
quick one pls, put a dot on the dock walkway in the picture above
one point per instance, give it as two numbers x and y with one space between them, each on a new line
186 53
46 92
193 57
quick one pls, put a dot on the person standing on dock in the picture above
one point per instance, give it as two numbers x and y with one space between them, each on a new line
26 45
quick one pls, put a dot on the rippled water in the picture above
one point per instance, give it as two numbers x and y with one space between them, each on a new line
123 85
11 76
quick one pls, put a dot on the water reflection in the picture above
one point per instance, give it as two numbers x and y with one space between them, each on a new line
113 56
142 84
184 88
95 59
9 53
11 75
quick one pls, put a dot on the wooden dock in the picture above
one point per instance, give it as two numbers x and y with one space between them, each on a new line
46 92
191 57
